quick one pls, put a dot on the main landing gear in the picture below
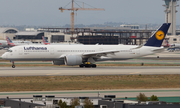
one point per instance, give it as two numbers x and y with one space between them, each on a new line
87 65
13 66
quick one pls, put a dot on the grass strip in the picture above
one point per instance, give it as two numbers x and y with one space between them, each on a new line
48 83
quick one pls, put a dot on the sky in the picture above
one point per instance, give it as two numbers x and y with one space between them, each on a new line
47 13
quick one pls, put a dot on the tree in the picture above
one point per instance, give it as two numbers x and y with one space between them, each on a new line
62 104
142 97
74 102
88 103
154 98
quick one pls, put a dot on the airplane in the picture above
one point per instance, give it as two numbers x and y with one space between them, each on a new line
174 47
86 55
15 43
166 43
45 41
3 44
8 43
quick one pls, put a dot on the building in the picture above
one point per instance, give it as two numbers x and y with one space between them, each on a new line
109 101
130 26
93 35
114 35
38 101
33 36
57 37
174 39
170 15
10 32
119 103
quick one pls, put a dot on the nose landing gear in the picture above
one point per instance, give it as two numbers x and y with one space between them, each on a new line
13 66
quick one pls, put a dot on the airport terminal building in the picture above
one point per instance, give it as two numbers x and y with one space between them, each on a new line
33 36
93 35
10 32
108 101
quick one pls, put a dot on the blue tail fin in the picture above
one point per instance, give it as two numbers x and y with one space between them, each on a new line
157 38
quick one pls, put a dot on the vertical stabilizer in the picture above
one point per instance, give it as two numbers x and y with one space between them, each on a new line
157 38
10 43
45 41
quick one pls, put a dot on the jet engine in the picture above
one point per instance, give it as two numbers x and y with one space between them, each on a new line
73 60
59 62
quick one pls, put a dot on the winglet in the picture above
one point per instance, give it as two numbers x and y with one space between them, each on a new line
10 43
157 38
45 41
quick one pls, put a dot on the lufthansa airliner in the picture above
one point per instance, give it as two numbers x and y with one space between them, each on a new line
86 55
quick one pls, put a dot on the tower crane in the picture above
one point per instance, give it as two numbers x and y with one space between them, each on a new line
72 9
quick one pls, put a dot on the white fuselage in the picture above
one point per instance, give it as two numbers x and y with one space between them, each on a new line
176 45
3 44
56 52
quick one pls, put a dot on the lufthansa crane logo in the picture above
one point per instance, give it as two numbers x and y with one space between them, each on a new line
160 35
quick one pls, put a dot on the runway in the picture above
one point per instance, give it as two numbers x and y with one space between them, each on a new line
101 70
120 93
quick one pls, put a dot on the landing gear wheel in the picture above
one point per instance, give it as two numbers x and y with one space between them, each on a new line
81 66
87 65
93 65
13 66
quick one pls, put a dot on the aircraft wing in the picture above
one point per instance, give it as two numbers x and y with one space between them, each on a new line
100 53
97 54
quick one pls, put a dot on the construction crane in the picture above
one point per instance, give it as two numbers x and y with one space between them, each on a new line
76 9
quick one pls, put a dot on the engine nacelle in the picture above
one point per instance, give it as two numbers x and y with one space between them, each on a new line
73 60
59 62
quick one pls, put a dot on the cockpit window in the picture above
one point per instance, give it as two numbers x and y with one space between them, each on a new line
9 50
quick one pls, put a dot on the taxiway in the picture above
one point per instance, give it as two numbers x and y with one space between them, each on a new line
120 93
101 70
